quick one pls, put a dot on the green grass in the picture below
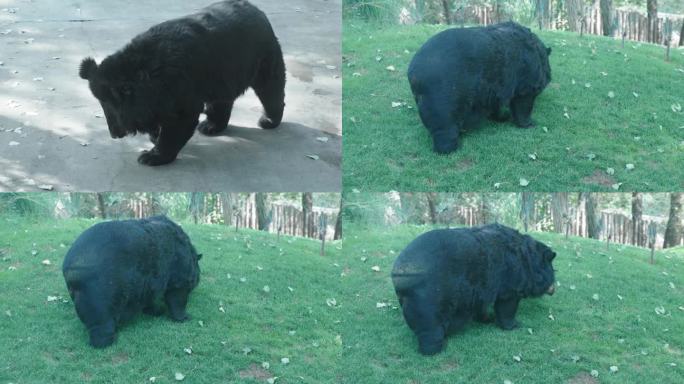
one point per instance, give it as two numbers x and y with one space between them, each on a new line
387 148
44 342
586 334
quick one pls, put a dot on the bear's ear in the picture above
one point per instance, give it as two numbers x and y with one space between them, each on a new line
88 68
548 51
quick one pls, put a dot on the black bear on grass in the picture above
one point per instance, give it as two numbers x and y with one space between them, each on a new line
445 277
462 75
162 80
116 269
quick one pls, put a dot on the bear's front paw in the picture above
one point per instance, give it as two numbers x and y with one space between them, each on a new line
209 128
154 157
508 325
266 123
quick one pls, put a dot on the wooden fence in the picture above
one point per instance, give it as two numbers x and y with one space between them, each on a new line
633 24
288 220
615 227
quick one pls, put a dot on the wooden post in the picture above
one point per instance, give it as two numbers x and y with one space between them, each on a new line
322 228
652 239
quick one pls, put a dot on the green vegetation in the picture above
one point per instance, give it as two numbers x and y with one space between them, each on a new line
235 325
636 322
606 108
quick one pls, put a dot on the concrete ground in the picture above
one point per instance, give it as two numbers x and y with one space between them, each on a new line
53 134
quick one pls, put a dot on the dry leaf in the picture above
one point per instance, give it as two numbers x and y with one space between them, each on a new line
524 182
391 68
629 166
376 268
313 157
285 360
179 376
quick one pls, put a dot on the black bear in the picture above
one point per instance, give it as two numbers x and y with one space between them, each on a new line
445 277
163 79
462 75
116 269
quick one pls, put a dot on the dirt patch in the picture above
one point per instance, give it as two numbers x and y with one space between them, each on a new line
449 366
582 378
464 164
599 177
120 358
255 372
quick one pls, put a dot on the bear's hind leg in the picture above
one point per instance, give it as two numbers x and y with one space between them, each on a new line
421 315
218 115
176 300
505 310
521 108
93 313
269 86
438 119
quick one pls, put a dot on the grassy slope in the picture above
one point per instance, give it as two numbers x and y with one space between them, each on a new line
45 342
387 148
380 348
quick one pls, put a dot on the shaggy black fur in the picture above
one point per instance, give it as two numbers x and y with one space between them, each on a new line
462 75
116 269
445 277
159 83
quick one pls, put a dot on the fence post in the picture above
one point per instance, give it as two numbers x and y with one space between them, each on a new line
652 238
322 228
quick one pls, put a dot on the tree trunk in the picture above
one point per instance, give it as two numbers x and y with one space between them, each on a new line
485 209
681 35
606 17
263 217
447 11
675 227
411 209
338 223
559 211
101 205
195 205
527 209
652 13
307 214
573 9
432 206
593 223
227 205
637 225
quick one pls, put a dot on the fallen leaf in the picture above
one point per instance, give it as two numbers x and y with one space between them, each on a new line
376 268
611 94
524 182
323 139
610 171
396 104
285 360
331 302
46 187
517 358
313 157
188 350
613 368
391 68
532 156
179 376
629 166
47 262
594 373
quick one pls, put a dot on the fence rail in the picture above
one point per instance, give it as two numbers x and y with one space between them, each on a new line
632 24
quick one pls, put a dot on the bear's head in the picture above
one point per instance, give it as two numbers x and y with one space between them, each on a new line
543 274
128 96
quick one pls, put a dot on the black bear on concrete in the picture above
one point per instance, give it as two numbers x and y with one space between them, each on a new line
462 75
445 277
164 78
116 269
